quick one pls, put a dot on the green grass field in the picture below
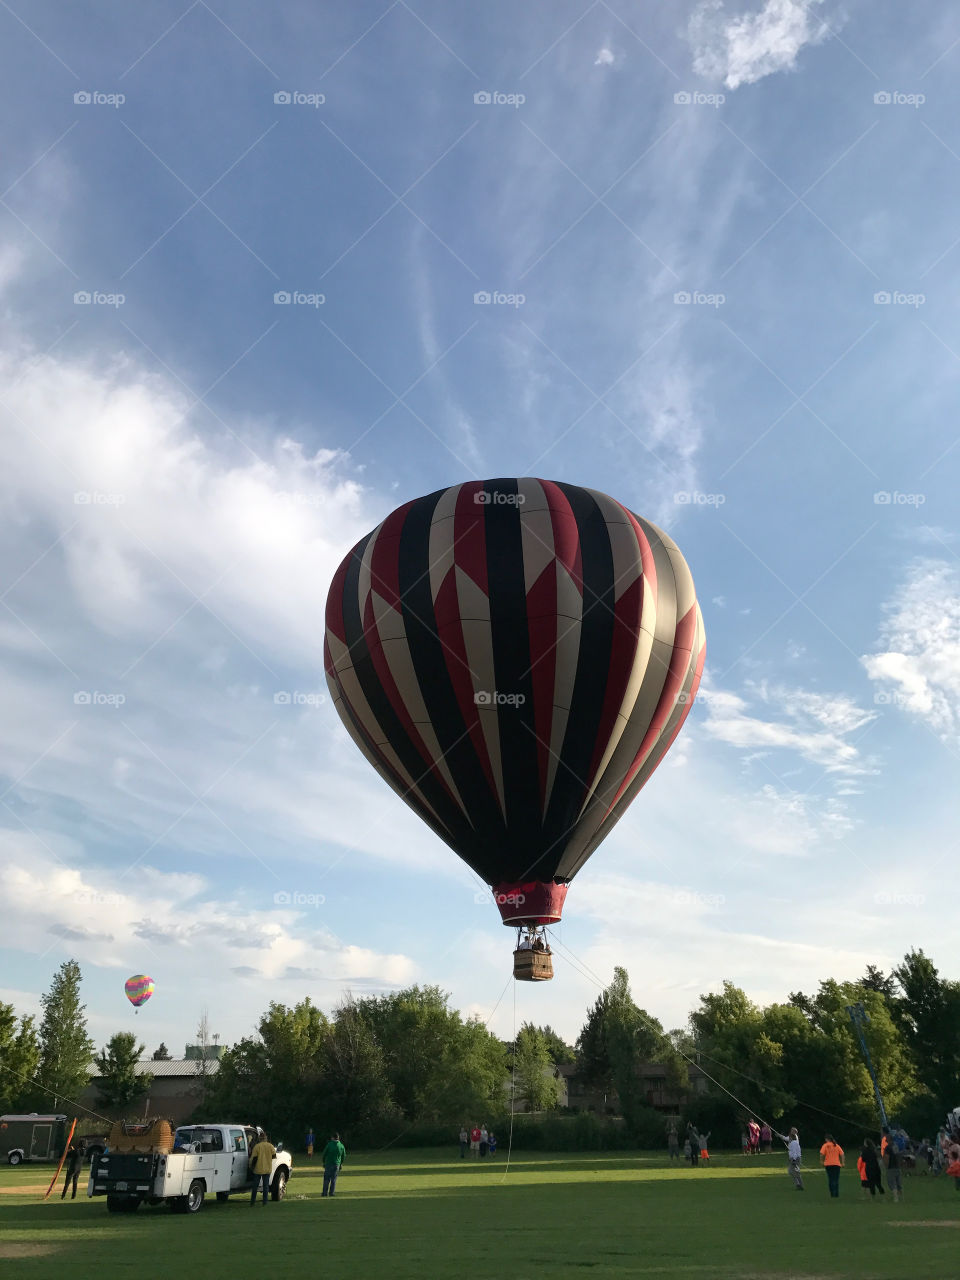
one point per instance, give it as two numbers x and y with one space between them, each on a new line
427 1214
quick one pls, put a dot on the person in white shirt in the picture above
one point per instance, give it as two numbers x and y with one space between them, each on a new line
792 1141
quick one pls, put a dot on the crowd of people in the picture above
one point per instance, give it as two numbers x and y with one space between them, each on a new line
479 1141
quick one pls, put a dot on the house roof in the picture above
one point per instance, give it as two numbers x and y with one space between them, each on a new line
165 1070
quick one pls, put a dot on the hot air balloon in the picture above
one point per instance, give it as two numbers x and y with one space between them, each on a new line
515 657
138 989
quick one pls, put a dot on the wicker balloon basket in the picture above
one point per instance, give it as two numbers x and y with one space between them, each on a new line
146 1136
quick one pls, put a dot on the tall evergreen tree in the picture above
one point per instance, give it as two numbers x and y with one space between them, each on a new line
119 1084
19 1059
66 1049
534 1082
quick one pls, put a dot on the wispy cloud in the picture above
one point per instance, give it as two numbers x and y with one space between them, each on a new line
742 48
918 665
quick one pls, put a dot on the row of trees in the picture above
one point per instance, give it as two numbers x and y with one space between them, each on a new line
409 1064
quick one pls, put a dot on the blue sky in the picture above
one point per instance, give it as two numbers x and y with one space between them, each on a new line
792 167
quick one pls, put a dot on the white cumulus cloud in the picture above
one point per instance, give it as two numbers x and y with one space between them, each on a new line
743 48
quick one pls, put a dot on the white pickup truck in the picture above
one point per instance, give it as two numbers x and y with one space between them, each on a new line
206 1159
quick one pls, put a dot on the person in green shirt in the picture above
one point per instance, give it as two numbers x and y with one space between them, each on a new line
333 1154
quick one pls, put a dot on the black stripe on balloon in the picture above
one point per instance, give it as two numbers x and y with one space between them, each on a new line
593 671
513 679
383 712
482 845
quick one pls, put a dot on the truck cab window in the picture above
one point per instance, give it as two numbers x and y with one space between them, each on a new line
238 1141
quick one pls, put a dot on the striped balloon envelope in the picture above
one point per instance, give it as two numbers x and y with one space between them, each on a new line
514 657
138 989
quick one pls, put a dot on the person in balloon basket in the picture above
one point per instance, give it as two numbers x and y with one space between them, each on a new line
74 1163
831 1157
333 1154
261 1165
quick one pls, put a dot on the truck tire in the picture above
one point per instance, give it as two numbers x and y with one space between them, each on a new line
14 1158
193 1200
279 1188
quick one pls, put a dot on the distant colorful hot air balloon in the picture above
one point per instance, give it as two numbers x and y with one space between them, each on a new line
139 989
514 657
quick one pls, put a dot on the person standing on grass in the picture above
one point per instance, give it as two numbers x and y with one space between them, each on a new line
464 1141
484 1142
673 1145
871 1167
794 1155
766 1137
693 1137
74 1164
261 1166
492 1140
686 1149
891 1158
753 1129
831 1157
745 1140
333 1154
704 1139
308 1142
475 1140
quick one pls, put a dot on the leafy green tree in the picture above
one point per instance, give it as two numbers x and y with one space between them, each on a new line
561 1053
533 1067
928 1014
439 1066
66 1049
19 1059
162 1054
118 1083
